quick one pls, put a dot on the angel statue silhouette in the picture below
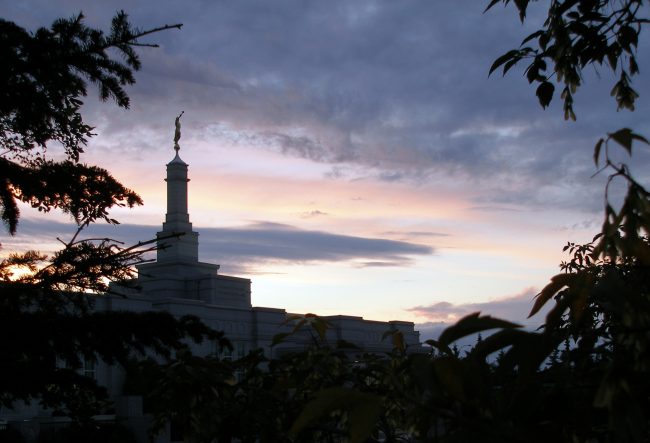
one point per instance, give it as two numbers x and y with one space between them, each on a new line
177 135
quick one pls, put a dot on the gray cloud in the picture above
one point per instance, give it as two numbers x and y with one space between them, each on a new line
241 249
396 91
275 242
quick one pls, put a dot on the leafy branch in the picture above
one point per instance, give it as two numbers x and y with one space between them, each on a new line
577 34
60 59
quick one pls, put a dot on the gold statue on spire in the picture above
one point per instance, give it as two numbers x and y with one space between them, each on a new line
177 135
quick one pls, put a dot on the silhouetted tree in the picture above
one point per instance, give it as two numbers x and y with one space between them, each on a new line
46 312
598 326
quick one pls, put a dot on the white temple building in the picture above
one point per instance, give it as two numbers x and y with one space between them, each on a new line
179 283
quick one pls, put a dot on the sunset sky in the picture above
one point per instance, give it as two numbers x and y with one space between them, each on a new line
352 157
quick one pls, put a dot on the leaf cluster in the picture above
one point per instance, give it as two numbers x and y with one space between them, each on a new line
43 79
577 34
45 75
84 192
623 231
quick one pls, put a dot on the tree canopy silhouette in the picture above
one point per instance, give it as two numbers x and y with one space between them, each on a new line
47 313
43 80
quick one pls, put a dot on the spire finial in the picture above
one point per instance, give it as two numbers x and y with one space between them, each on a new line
177 135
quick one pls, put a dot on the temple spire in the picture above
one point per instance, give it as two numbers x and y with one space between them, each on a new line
177 219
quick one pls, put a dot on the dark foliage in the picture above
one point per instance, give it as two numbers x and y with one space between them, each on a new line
578 34
97 433
47 304
43 78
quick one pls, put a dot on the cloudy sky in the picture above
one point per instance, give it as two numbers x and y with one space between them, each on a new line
352 157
